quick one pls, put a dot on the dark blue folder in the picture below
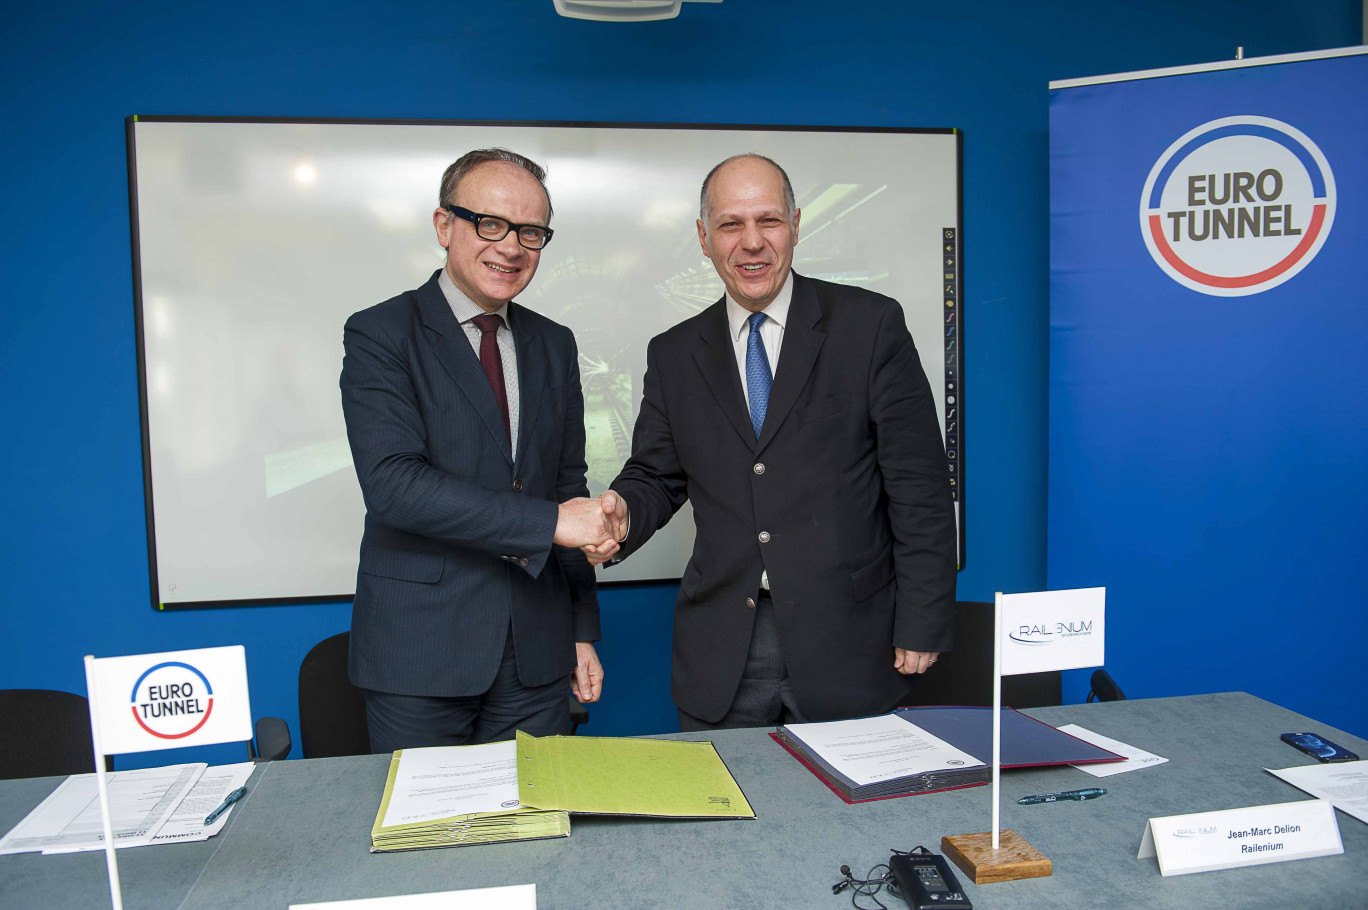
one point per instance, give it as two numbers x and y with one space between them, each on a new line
1026 742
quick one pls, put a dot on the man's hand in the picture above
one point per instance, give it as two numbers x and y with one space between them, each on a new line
587 680
910 662
582 523
615 518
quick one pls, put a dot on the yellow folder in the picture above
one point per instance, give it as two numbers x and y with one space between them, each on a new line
612 776
516 823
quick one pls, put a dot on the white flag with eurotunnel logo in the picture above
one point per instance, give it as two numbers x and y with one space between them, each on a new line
147 702
1052 630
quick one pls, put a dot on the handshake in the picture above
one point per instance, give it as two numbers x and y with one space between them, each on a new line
596 526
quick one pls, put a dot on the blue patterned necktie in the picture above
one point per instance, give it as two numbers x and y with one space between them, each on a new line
758 378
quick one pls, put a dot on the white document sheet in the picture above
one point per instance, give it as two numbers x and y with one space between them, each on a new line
444 781
1135 758
510 897
140 802
880 748
187 822
1345 784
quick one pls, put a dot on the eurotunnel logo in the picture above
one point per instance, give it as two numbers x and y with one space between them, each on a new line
1049 633
172 700
1237 206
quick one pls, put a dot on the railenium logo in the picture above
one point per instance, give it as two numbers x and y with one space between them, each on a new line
1048 633
1237 206
1205 831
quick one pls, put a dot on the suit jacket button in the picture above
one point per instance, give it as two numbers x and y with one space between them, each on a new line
523 562
750 602
517 485
758 468
764 537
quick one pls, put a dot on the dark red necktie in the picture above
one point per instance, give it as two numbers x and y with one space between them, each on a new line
492 363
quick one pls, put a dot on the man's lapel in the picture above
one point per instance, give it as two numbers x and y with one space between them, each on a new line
454 351
717 360
802 341
531 374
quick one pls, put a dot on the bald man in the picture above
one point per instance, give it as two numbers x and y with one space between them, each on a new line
795 416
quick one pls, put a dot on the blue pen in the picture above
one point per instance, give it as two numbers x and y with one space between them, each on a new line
227 804
1088 793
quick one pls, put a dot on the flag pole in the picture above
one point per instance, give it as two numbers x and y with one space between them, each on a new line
998 855
111 864
997 715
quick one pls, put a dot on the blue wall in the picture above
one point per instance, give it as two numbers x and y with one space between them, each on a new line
73 547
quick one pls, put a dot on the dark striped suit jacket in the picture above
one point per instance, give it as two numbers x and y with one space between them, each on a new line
457 540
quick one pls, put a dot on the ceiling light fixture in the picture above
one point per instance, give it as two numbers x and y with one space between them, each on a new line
622 10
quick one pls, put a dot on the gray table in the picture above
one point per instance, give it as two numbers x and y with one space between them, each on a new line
303 833
149 877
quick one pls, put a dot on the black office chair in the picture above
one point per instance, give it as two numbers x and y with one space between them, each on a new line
272 740
579 715
46 733
1104 688
964 676
332 712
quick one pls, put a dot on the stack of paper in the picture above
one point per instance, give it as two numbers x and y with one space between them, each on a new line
921 750
874 757
146 806
457 795
452 796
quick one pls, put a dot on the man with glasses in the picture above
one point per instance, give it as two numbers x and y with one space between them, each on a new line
795 416
465 418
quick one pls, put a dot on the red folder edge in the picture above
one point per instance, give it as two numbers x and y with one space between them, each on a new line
850 802
873 799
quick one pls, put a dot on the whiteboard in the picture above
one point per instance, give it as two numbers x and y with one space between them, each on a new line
254 240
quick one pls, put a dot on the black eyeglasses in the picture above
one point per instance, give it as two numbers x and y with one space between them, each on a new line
492 227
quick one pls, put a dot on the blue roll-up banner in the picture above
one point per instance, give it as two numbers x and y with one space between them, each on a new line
1209 375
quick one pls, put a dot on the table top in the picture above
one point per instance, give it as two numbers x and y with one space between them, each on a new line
157 876
303 833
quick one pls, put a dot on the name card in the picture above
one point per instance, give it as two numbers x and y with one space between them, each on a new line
508 897
1230 838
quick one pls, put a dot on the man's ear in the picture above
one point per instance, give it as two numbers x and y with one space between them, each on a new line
442 221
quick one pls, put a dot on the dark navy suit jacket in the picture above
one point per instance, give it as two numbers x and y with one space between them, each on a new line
844 499
457 541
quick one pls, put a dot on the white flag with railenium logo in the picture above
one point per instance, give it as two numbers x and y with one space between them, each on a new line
1052 630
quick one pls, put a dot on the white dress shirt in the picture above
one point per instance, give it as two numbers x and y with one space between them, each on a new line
771 333
771 330
465 310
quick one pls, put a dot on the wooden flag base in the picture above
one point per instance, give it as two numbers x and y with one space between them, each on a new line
1013 859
